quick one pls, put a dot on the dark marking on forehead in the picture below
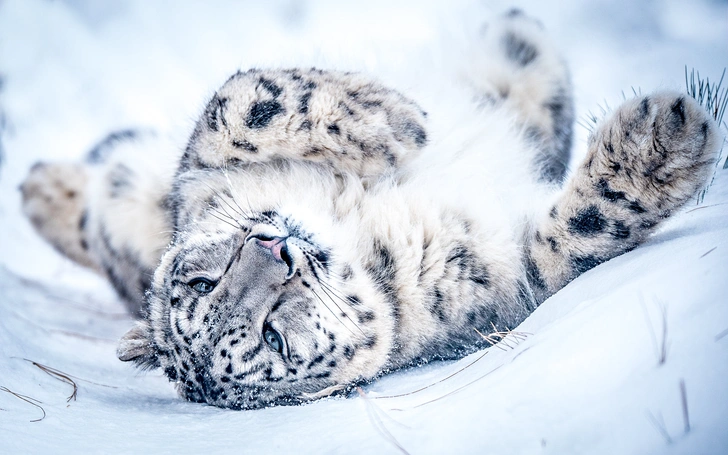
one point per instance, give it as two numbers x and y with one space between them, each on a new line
235 257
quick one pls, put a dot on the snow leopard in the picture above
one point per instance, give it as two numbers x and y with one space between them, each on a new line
321 229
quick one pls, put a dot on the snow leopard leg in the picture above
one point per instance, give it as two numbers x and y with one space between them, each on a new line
518 68
107 213
651 156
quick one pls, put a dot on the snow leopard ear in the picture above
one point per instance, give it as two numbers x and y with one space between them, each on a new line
137 346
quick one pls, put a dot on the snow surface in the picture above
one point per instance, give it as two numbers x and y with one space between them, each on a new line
586 379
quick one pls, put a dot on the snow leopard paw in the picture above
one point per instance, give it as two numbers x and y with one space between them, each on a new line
654 154
54 200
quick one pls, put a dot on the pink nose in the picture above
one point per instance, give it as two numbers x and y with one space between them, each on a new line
276 245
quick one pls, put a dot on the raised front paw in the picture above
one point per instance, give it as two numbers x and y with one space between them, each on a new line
655 151
345 121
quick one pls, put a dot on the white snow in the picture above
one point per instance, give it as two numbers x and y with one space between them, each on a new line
586 379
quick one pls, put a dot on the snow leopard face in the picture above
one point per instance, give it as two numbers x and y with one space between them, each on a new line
258 315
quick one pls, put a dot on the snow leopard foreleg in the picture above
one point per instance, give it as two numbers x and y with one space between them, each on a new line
651 156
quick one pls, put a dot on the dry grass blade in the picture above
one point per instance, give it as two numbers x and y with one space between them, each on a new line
705 207
27 399
436 382
721 335
711 96
659 425
72 376
52 372
459 388
497 338
378 424
661 345
714 98
684 402
83 336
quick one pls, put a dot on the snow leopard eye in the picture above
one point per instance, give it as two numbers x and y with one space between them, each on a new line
202 285
273 338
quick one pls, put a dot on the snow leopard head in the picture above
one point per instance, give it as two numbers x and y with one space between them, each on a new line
259 314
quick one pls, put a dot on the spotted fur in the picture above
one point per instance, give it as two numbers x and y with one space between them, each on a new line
321 233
